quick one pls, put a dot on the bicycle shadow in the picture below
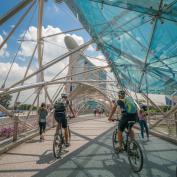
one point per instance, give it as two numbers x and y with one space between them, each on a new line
48 158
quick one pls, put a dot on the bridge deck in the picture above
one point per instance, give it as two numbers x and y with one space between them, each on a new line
91 155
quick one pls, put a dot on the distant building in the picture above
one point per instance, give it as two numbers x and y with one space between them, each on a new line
170 101
79 63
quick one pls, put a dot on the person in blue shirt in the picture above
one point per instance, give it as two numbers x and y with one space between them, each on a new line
128 113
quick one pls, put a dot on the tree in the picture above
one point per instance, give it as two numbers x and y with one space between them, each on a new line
5 100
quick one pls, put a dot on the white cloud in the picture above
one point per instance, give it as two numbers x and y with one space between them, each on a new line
53 46
91 48
12 26
99 60
56 9
27 48
78 39
3 50
17 72
4 33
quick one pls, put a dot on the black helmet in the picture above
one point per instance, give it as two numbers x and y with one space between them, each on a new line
121 93
143 107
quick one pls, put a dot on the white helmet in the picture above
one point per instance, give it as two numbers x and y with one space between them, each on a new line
64 95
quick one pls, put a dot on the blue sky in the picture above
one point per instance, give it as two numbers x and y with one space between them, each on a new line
56 18
56 15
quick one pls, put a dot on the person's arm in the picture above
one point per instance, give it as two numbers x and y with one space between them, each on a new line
70 107
112 112
46 112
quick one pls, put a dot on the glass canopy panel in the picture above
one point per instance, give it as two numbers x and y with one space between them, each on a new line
136 37
169 10
164 43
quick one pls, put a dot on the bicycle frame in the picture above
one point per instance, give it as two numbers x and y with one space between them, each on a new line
131 147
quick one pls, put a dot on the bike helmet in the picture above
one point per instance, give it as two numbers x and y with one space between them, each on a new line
143 107
121 93
64 95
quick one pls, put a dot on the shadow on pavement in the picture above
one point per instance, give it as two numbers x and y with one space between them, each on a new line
97 159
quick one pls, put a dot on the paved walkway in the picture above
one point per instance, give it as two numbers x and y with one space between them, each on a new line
91 155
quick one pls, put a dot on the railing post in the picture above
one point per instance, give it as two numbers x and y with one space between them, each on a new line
53 120
176 122
15 132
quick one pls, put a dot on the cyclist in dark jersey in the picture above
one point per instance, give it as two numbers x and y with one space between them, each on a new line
61 116
125 117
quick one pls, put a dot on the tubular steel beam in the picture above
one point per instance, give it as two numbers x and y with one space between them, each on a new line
17 24
41 84
149 46
3 109
14 10
54 61
147 55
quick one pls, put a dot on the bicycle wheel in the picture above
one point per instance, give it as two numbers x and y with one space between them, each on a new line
69 134
115 139
135 155
57 146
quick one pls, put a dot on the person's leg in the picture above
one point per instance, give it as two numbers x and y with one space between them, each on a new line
66 134
57 118
57 128
131 117
142 128
120 138
121 127
43 129
40 130
146 129
64 126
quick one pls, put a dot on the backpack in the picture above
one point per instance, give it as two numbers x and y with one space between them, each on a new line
130 106
59 106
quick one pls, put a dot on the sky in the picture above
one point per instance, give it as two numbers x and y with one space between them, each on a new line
56 18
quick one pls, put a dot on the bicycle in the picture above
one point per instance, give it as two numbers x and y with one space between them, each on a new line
59 141
130 146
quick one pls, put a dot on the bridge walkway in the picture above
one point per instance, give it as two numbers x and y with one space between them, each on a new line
90 155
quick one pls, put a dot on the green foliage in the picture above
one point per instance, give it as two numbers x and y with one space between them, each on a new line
26 107
5 100
155 110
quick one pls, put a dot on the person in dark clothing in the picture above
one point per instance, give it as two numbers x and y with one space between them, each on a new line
128 113
62 107
42 112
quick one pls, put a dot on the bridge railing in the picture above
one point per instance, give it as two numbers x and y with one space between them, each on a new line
13 129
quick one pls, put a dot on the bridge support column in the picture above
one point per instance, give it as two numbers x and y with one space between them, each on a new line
15 132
